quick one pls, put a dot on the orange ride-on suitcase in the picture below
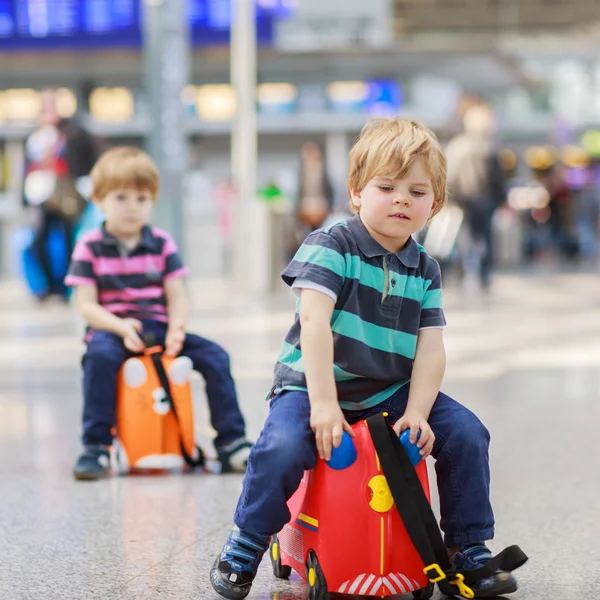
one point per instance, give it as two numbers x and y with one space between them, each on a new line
155 418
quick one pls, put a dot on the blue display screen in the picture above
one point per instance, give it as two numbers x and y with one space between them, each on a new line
30 24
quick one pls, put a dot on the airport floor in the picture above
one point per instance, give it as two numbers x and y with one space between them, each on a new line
526 359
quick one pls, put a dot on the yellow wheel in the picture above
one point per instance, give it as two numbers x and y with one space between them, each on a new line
317 585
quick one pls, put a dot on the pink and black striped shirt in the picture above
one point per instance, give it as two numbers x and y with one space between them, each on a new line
130 284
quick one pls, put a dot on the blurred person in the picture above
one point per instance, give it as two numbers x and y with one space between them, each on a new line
476 183
555 219
57 153
315 193
332 372
129 280
562 213
224 196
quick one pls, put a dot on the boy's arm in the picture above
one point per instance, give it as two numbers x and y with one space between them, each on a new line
427 374
177 311
316 340
428 371
97 317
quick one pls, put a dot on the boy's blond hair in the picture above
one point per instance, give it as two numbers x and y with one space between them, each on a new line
388 147
124 167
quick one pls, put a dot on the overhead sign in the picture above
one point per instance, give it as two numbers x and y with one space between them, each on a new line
30 24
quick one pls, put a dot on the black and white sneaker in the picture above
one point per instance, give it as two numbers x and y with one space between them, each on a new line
94 463
234 456
235 568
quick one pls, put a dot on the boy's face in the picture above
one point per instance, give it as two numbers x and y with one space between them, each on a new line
127 210
393 209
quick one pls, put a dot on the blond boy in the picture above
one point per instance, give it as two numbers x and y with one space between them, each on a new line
129 281
367 338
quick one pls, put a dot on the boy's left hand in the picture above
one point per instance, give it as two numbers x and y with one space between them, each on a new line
416 422
174 341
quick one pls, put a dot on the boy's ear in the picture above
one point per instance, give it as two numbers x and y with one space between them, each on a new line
355 198
435 208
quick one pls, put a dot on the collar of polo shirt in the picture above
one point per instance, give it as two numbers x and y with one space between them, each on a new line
148 240
408 256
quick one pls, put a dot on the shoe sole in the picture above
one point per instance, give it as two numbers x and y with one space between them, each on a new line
507 587
88 476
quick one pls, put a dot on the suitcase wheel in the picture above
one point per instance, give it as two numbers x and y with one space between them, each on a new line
317 585
425 593
280 571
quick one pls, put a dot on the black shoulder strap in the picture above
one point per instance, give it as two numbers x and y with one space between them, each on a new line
164 382
419 519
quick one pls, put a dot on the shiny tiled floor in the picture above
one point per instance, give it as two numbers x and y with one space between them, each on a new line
526 359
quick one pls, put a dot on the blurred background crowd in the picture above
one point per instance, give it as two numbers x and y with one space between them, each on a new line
511 87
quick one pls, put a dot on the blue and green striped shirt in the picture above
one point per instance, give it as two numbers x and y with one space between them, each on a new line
382 300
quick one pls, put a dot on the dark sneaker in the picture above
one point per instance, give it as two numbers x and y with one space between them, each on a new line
235 568
93 463
473 557
234 456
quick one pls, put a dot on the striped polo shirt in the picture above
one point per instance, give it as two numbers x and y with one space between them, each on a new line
382 300
130 283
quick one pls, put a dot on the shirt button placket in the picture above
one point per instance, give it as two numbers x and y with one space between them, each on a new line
394 274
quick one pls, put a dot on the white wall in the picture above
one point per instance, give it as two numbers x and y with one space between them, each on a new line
336 23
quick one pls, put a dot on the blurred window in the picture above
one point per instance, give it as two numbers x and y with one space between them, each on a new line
66 102
112 104
380 97
20 105
347 95
277 97
216 103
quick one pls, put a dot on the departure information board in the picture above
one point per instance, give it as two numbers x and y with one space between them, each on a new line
30 24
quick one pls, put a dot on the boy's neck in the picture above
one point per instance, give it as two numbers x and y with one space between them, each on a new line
129 240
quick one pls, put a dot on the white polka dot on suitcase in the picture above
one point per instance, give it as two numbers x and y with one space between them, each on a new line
180 369
135 373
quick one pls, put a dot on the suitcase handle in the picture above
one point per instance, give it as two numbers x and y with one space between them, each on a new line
155 353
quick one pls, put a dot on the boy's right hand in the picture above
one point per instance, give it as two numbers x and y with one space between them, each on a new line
129 332
328 424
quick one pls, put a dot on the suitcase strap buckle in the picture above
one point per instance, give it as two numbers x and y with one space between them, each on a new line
464 590
438 570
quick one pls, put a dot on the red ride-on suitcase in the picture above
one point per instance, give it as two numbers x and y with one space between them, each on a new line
345 534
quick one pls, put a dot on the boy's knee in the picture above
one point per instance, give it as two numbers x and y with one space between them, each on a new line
471 432
221 356
104 355
205 353
288 450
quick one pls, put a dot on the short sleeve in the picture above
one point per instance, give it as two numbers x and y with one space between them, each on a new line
174 266
81 267
432 312
320 260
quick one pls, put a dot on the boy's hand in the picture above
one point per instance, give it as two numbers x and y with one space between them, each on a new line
174 341
328 423
417 422
129 332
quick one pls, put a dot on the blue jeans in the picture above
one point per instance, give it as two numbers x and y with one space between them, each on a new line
286 447
106 353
